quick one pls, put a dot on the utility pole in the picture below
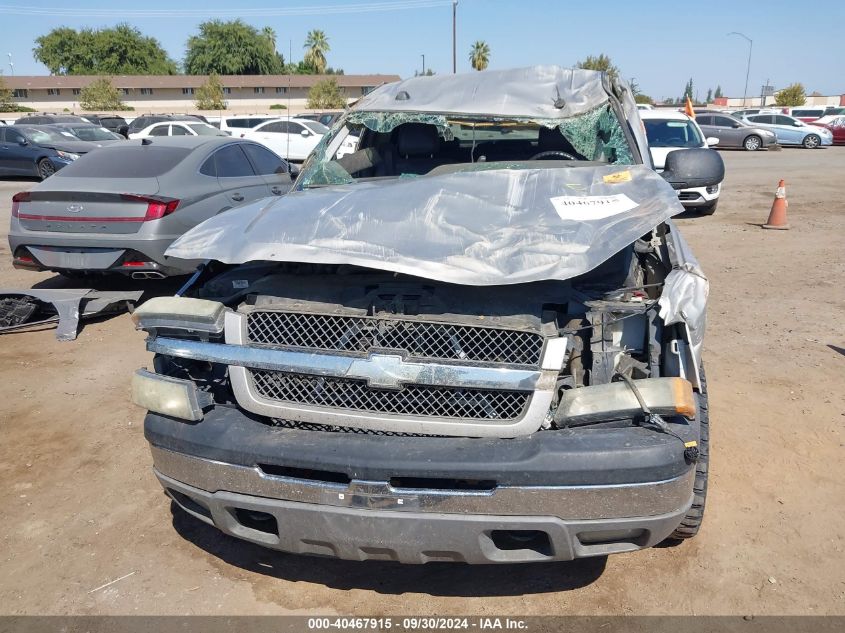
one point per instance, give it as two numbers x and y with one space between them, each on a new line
748 66
11 65
454 34
423 56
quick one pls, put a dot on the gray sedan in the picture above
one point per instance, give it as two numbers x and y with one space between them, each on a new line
117 210
734 133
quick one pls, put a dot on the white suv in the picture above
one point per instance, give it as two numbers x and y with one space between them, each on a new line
668 131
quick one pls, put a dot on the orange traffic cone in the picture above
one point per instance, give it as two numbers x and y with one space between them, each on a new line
777 216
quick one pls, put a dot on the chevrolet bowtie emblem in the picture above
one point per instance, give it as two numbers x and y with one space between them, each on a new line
385 371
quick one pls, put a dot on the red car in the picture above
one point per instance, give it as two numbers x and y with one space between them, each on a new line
837 127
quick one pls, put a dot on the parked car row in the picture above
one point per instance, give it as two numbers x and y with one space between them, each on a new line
41 151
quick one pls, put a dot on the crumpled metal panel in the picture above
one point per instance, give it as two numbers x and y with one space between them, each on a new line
479 228
685 292
536 91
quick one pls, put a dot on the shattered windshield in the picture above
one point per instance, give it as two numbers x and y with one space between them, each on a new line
415 144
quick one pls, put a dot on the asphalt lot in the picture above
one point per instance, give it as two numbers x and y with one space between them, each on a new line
82 508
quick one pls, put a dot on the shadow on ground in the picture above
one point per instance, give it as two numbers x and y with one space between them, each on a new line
435 579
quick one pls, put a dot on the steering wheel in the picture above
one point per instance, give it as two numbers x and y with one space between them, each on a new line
552 154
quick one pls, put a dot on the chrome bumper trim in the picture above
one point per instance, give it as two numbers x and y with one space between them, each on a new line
379 370
564 502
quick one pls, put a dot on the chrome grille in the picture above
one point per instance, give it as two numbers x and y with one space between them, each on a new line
415 400
418 339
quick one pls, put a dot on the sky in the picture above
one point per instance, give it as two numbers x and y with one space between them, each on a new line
659 44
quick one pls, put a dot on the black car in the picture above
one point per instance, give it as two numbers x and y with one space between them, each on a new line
112 122
50 119
38 150
148 119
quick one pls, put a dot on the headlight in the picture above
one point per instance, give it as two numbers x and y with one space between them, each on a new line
616 400
167 396
67 155
180 313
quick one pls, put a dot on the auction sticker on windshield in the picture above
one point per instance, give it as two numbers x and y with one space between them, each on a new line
583 208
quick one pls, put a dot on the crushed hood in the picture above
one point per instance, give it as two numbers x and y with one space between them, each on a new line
479 228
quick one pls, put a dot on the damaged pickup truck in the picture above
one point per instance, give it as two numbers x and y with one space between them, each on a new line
476 338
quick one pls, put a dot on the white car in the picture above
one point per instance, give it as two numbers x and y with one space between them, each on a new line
238 124
290 138
178 128
668 131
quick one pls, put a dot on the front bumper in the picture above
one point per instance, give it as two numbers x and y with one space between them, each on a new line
698 196
554 495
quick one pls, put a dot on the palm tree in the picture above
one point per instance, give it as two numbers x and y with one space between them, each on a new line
270 35
479 55
317 45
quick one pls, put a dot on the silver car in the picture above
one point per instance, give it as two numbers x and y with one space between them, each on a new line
732 132
118 209
792 131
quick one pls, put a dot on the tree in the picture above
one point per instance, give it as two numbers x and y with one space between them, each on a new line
718 94
232 48
479 55
792 95
210 94
709 95
122 50
688 91
100 94
316 45
6 103
325 94
601 63
641 98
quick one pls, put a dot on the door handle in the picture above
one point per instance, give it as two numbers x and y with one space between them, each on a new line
237 197
276 191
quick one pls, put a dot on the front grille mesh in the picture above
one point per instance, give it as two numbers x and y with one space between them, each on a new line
412 400
331 428
418 339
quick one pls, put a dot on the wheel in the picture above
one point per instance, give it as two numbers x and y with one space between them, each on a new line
708 209
812 141
45 169
752 143
692 520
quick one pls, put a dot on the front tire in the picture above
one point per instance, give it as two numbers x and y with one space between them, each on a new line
812 141
45 169
752 143
695 516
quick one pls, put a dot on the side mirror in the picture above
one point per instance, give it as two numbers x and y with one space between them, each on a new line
294 170
305 133
797 124
711 141
23 142
699 167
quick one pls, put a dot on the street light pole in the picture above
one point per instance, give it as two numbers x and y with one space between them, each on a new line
748 67
11 65
423 56
454 33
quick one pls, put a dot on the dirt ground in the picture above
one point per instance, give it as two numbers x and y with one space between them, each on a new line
82 508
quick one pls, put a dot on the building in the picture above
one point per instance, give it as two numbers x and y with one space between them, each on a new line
758 101
175 93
